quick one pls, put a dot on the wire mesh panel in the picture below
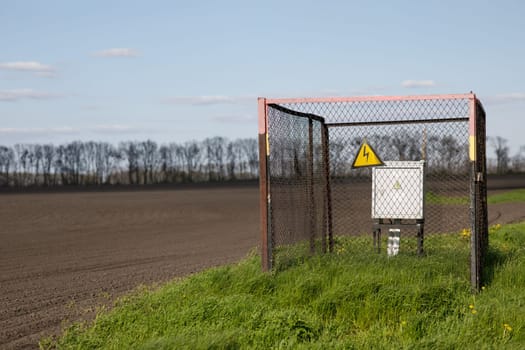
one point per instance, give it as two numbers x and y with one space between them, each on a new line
296 171
435 131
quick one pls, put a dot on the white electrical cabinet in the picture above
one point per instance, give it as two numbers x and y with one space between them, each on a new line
398 190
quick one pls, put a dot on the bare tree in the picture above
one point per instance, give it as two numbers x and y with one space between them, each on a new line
112 159
75 161
38 155
207 145
251 151
242 159
21 159
90 161
149 157
336 151
215 154
518 161
7 157
234 159
450 152
179 162
131 153
502 153
165 161
191 152
48 158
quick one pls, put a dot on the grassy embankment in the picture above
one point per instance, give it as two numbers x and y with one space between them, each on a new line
344 300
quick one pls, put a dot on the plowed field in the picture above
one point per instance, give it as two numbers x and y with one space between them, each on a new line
62 254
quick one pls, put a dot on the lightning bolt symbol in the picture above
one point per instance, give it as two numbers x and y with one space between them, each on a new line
365 153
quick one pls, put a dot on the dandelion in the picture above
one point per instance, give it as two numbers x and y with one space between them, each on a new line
494 228
465 233
472 309
506 329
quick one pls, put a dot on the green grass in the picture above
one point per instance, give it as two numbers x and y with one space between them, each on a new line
345 300
434 198
507 197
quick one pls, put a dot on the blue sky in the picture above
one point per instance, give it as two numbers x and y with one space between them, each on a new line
181 70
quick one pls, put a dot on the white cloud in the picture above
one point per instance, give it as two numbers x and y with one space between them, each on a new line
30 66
117 128
235 118
117 52
418 83
19 94
37 131
209 100
505 98
69 130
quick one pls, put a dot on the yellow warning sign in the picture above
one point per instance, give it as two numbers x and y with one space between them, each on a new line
366 156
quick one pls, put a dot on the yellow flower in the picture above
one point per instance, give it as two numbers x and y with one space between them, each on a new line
465 233
471 306
474 311
403 323
507 327
494 228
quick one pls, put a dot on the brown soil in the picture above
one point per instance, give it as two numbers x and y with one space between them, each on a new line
64 254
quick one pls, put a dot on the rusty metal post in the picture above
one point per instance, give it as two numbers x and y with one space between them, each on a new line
264 191
475 263
310 185
324 234
478 193
481 186
328 190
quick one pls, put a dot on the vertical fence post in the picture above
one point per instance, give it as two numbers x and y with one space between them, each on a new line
264 195
481 186
324 234
310 185
475 261
328 189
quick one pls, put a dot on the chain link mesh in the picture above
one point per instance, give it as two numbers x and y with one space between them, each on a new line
433 131
297 186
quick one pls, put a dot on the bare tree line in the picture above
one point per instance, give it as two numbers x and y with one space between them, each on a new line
132 162
444 154
219 159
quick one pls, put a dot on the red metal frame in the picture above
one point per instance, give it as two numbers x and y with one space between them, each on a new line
264 153
370 98
263 183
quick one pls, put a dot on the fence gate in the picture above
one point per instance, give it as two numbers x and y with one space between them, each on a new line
317 157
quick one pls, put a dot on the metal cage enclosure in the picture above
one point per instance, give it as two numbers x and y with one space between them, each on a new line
310 192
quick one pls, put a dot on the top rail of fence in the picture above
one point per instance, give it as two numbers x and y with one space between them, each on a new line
369 98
